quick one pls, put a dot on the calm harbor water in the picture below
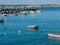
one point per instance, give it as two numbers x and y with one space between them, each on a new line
48 21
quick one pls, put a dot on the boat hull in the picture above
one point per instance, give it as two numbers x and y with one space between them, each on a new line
53 35
33 27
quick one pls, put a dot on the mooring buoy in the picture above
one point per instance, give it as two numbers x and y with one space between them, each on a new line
19 32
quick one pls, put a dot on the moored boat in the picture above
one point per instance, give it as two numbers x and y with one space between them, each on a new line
25 12
32 12
33 27
53 34
38 11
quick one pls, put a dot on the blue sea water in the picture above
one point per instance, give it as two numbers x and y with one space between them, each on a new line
48 21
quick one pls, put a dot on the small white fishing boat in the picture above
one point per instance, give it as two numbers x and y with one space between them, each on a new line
25 12
38 11
32 12
33 27
53 35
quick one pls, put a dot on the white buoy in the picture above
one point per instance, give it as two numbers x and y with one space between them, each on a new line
19 32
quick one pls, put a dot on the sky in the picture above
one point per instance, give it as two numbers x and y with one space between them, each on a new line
29 2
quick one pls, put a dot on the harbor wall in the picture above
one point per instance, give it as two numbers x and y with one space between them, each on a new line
29 6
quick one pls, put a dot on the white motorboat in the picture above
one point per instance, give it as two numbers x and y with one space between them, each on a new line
32 12
33 27
53 34
25 12
38 11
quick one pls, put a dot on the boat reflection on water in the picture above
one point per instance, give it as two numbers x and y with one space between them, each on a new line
55 38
